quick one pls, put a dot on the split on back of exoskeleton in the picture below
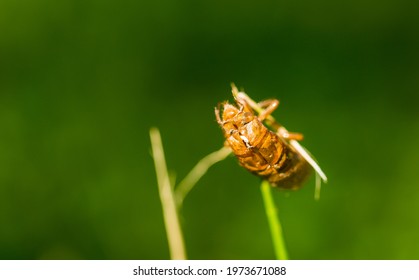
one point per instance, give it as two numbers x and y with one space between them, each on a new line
296 171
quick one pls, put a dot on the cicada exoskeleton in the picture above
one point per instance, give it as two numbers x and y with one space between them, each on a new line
267 153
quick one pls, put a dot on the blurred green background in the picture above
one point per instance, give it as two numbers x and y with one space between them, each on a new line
82 82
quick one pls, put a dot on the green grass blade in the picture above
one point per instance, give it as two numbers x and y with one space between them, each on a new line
274 223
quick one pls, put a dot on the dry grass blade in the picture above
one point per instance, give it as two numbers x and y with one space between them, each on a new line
170 213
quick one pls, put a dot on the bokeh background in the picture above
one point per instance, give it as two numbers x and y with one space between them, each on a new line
82 82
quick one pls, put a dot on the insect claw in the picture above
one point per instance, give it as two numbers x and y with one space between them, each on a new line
217 115
234 90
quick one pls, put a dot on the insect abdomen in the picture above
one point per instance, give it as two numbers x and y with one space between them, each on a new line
259 150
294 171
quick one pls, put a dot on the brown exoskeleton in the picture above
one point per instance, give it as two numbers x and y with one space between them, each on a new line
273 156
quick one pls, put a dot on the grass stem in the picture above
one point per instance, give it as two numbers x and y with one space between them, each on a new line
274 223
170 212
186 185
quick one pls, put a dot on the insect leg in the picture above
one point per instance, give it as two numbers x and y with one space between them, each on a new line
289 135
268 106
295 136
265 109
